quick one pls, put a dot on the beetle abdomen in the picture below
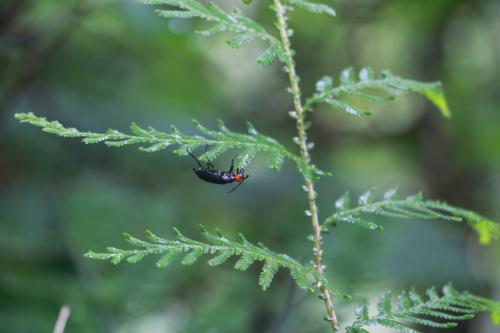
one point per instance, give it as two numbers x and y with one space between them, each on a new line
213 176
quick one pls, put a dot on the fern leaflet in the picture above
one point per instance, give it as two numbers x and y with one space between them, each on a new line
243 28
221 249
153 140
312 7
438 311
366 86
412 207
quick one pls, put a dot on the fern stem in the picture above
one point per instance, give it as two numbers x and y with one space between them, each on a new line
280 10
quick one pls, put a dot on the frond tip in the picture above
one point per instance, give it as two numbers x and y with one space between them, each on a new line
221 249
243 28
411 207
410 308
312 6
371 87
152 140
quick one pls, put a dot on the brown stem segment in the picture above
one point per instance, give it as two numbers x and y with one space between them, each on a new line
280 10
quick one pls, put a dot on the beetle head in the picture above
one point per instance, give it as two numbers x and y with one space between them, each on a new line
239 177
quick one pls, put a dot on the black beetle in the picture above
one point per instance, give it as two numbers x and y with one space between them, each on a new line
212 175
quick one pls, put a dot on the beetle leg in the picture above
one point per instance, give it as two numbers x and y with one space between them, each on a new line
234 188
209 163
195 158
232 166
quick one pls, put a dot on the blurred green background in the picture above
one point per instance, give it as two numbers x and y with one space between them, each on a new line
103 64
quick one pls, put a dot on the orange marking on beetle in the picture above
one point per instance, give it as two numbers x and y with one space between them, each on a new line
239 178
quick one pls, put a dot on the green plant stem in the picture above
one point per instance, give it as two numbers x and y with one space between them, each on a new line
302 135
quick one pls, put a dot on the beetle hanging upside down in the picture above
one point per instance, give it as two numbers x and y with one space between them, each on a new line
212 175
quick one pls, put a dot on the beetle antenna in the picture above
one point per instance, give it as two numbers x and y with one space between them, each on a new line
195 158
234 188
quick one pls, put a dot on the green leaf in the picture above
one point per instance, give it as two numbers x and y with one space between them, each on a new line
435 94
347 76
344 202
384 305
486 229
379 88
220 258
245 157
366 74
495 318
98 256
267 274
324 84
244 262
300 278
240 40
182 14
358 330
167 258
362 223
395 325
192 256
312 7
392 194
216 28
136 258
415 297
412 207
366 198
361 312
275 160
134 241
271 54
348 108
404 302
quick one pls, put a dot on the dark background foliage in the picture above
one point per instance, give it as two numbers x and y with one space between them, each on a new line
100 64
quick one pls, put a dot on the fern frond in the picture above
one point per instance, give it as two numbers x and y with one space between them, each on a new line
312 7
412 207
243 28
152 140
271 54
220 248
439 311
367 86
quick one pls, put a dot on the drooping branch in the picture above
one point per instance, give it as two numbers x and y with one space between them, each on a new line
152 140
221 248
